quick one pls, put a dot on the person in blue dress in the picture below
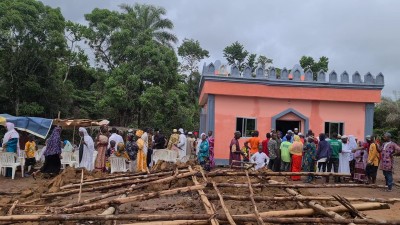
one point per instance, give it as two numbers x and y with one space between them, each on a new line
203 155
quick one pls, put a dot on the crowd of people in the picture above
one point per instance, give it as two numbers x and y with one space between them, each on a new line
296 152
136 146
293 151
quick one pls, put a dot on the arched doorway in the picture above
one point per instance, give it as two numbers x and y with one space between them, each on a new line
288 120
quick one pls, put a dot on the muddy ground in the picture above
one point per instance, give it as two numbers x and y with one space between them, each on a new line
182 203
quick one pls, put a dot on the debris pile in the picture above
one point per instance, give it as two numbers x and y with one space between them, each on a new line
185 194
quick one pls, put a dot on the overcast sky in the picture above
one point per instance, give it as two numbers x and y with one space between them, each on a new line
356 35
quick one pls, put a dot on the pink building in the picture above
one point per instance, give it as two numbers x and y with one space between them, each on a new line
247 102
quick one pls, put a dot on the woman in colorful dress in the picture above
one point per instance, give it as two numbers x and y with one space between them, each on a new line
235 153
211 149
52 154
203 155
132 150
141 164
101 146
11 143
296 150
309 158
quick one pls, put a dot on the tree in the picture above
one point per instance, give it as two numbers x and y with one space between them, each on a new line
387 117
264 61
192 53
235 54
307 62
149 18
32 44
251 61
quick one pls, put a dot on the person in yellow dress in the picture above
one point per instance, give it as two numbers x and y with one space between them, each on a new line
174 139
30 149
141 165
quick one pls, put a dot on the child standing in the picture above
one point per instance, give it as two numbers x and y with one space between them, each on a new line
30 149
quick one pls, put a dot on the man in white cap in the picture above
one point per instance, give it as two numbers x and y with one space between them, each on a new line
182 143
296 131
173 139
190 151
344 156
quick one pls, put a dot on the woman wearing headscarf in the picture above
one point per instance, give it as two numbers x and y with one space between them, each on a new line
132 150
11 143
203 155
309 157
101 146
234 147
88 149
52 154
141 162
296 150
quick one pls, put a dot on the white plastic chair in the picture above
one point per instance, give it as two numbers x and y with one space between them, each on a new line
94 157
10 160
117 164
75 159
67 159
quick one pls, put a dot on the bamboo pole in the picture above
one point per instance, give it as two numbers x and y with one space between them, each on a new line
300 185
259 219
98 188
206 203
319 208
119 201
297 198
118 177
174 222
348 205
132 188
227 213
10 212
270 173
111 210
80 188
267 216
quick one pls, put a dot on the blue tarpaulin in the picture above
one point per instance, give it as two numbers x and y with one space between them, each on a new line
35 125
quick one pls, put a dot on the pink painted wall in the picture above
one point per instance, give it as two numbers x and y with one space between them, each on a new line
227 108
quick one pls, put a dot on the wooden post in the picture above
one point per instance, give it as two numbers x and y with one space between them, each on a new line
296 216
10 212
297 198
206 203
319 208
259 219
80 188
299 185
119 201
221 199
132 188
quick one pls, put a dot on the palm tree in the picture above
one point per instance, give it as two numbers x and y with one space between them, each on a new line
149 18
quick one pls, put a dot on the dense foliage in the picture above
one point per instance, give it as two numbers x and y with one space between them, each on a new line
136 79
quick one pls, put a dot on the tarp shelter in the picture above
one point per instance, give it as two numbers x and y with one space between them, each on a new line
73 123
35 125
